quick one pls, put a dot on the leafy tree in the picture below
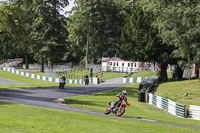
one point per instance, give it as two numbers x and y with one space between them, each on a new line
141 40
11 29
49 31
178 23
96 24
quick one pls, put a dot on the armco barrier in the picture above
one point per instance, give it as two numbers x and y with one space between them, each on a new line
51 79
167 105
134 80
194 112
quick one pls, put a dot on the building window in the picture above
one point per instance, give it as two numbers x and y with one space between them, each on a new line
122 64
135 65
114 64
111 63
117 64
128 64
131 64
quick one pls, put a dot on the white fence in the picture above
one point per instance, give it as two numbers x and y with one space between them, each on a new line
194 112
46 78
167 105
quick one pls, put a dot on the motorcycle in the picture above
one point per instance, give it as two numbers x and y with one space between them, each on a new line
118 109
61 83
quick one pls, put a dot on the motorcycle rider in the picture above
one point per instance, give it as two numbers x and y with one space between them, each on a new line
64 78
62 82
120 97
86 79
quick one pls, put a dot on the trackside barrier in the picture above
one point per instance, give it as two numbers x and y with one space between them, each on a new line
194 112
51 79
167 105
134 80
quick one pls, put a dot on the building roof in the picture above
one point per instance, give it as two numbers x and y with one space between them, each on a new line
116 58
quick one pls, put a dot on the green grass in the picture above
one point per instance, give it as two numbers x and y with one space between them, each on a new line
98 102
27 119
143 74
26 81
80 74
111 75
175 91
148 74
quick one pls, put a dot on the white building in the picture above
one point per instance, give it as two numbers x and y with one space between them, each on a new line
118 65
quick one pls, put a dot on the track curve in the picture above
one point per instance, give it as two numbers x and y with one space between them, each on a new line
48 98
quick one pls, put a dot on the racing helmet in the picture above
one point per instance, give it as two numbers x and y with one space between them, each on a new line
124 92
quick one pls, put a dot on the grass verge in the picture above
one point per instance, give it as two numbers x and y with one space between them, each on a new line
175 91
81 74
98 102
148 74
27 119
26 81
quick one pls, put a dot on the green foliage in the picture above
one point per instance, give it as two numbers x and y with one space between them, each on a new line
11 30
141 40
98 22
48 30
178 24
34 27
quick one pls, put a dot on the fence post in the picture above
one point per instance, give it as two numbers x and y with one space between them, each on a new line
146 98
186 112
199 73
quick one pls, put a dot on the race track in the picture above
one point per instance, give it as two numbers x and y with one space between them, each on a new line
48 97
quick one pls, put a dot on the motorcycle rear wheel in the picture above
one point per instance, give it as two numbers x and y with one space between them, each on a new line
120 112
107 111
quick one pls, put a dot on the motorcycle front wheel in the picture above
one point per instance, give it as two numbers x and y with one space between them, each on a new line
107 111
120 112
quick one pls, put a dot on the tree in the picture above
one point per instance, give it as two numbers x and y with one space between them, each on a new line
178 25
141 40
11 29
49 32
95 28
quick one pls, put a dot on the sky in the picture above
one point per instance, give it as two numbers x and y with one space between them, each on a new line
3 0
69 7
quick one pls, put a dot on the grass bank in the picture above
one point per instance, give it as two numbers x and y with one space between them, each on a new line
28 119
148 74
80 74
98 102
26 81
175 91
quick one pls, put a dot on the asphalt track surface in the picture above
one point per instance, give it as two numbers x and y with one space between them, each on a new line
49 98
5 81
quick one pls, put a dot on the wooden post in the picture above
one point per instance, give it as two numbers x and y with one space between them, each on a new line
186 112
199 73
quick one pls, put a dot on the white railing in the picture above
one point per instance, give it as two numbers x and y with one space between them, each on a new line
194 112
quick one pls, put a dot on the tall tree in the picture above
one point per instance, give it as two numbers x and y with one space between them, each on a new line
97 23
11 29
49 31
178 23
141 40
